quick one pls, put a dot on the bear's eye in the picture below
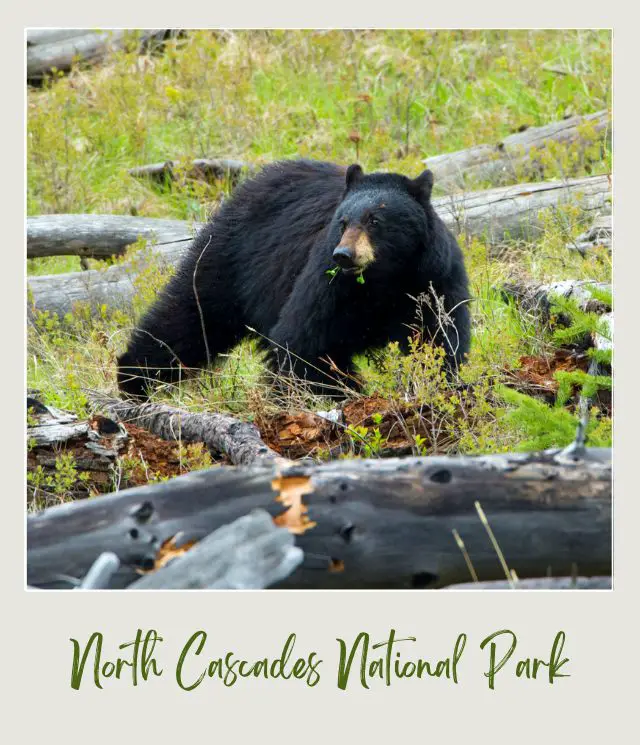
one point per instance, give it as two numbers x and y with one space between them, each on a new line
373 221
343 224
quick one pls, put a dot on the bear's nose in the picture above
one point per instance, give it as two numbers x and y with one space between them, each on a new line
343 257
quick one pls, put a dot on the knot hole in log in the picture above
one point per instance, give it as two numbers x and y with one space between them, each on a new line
441 476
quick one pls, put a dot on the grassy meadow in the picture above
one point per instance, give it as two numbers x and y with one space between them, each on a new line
387 99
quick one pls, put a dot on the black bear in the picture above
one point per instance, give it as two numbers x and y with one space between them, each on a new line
324 262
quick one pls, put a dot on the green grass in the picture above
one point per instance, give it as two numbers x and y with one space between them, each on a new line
385 98
264 95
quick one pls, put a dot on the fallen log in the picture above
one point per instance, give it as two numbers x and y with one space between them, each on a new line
360 523
498 215
544 583
112 287
40 36
240 441
94 446
516 156
513 213
201 169
537 297
249 554
599 234
100 236
49 49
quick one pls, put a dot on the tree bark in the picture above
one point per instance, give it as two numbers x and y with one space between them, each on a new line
508 161
497 215
240 441
100 236
361 523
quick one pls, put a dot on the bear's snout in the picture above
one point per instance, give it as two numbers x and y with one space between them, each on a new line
355 250
344 257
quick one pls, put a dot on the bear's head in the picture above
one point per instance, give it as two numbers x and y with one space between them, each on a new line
383 221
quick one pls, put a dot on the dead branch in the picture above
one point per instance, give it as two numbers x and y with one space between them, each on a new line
240 441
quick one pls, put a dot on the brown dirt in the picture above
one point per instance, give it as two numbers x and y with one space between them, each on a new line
535 377
143 458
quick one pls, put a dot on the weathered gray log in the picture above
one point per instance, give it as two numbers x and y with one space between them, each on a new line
100 236
515 157
498 215
604 339
101 572
543 583
203 169
360 523
60 50
40 36
513 213
95 447
49 426
240 441
537 298
249 554
599 234
112 286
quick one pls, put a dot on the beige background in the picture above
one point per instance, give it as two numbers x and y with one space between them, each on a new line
596 704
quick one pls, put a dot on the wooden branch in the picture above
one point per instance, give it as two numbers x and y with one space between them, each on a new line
48 49
100 236
202 169
360 523
240 441
544 583
516 156
249 554
498 215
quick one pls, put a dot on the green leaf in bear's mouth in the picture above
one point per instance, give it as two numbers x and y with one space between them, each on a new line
332 273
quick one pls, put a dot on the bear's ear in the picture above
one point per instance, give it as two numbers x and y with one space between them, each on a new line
420 188
354 174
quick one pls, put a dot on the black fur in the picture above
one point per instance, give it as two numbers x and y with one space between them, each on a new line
262 263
